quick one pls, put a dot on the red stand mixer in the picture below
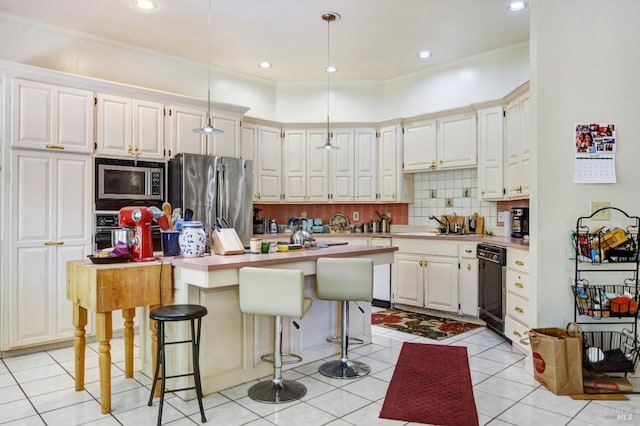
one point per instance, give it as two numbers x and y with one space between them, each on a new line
141 245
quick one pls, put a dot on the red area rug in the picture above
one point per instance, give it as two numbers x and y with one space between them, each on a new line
431 384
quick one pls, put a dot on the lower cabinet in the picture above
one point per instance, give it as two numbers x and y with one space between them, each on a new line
428 274
519 310
468 279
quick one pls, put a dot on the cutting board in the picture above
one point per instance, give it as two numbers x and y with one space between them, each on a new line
463 222
226 241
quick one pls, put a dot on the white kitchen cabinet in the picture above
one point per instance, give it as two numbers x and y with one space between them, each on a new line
129 127
353 167
408 279
491 153
248 149
179 124
393 185
457 146
420 146
268 165
305 171
519 307
52 194
468 279
46 116
518 147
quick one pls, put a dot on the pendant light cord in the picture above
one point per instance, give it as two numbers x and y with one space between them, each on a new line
328 75
209 67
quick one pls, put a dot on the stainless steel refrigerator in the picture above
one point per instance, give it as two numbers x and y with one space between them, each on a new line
217 189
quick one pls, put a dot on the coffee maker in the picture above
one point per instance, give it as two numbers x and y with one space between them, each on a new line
140 219
519 222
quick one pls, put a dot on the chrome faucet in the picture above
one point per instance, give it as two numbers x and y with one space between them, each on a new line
443 225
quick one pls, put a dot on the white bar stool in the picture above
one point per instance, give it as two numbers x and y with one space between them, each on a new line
279 293
344 279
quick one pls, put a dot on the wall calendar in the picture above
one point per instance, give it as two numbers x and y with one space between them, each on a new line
595 150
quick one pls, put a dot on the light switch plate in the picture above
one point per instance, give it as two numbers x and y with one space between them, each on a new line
603 215
355 216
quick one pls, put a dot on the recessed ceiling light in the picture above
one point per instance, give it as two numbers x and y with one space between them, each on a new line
331 68
265 64
146 4
424 54
515 6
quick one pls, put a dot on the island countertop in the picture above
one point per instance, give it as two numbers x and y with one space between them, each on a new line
218 262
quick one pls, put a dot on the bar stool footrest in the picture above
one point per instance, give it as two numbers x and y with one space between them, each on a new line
337 340
340 369
287 358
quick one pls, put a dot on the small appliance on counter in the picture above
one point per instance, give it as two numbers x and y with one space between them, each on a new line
140 219
519 222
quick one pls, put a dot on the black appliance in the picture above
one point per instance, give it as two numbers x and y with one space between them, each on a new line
120 183
519 222
106 222
491 281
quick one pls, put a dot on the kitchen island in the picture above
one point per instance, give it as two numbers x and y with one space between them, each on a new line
232 342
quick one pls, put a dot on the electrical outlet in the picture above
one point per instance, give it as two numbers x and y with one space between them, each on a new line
448 202
501 216
303 214
434 193
466 192
603 215
355 216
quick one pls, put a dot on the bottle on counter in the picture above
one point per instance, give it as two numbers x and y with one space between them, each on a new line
273 226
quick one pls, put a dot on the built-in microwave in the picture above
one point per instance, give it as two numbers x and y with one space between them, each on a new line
120 183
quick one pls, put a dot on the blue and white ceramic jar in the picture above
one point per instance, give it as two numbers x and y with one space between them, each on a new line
192 239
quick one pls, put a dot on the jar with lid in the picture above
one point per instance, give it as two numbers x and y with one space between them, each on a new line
193 239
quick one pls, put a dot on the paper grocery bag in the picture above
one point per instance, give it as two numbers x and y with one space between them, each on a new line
557 358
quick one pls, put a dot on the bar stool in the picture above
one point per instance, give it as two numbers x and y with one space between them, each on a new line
344 279
279 293
173 313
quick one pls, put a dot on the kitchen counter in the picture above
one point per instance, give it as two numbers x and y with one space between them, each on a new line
518 243
232 342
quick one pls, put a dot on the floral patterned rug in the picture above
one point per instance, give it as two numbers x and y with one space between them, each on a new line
420 324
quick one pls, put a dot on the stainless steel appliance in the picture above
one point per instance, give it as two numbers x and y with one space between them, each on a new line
217 189
519 222
491 282
106 222
120 183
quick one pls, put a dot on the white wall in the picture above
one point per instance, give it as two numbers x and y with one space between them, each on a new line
585 68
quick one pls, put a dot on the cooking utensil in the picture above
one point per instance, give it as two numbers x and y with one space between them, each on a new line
166 208
175 215
188 215
156 212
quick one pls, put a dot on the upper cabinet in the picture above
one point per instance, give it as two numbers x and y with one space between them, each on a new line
46 116
393 185
305 168
267 165
491 153
353 167
441 143
129 127
518 146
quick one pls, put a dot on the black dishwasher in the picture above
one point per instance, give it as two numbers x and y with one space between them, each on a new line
491 285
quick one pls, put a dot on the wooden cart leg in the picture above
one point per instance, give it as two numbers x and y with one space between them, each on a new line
128 315
103 332
79 343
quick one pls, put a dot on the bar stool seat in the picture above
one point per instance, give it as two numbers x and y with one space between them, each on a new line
344 279
173 313
279 293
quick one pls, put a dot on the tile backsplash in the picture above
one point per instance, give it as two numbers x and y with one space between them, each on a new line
448 192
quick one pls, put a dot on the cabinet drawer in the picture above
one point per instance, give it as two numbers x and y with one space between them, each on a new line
518 308
518 259
515 331
468 249
426 246
518 283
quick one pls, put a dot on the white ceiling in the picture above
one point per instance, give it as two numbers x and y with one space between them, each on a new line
373 40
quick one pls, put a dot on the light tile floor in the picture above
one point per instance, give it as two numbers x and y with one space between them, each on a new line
39 389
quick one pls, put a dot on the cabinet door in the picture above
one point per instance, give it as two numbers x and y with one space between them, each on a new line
525 143
513 172
148 129
342 166
248 146
408 281
317 167
441 283
294 159
269 164
226 143
113 115
179 131
491 153
51 117
420 147
469 287
387 160
365 164
457 145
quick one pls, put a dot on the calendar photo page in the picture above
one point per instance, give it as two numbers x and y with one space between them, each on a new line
595 148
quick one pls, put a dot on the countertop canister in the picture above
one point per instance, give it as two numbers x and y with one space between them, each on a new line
193 239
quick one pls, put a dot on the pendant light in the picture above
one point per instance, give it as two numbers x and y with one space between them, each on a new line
329 17
208 129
